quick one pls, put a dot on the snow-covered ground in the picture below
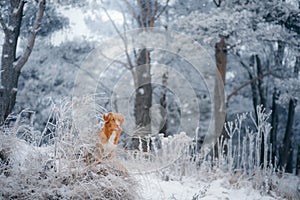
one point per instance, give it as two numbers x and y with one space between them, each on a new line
154 188
66 170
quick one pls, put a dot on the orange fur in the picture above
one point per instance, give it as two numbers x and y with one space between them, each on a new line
112 123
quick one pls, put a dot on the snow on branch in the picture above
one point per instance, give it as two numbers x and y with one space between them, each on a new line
4 26
162 10
18 10
28 50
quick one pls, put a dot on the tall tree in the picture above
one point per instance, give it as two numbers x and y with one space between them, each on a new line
12 13
265 41
145 13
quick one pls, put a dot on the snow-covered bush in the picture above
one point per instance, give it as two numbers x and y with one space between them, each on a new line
62 168
238 159
49 76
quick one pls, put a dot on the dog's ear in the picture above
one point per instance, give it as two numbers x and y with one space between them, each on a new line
106 117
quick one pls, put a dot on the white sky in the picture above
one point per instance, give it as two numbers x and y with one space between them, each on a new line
78 28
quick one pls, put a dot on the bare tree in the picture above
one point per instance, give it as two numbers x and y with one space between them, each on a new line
145 13
219 108
12 13
286 148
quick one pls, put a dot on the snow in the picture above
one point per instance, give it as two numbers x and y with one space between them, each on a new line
11 28
78 28
141 91
115 15
165 175
154 188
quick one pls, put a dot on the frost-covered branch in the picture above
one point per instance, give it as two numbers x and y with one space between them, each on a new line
123 39
246 84
4 26
18 10
28 50
133 13
218 4
162 10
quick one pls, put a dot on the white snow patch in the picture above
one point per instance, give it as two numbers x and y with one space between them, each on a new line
154 188
78 28
230 75
141 91
116 16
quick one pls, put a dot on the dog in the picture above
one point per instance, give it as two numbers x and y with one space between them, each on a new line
110 133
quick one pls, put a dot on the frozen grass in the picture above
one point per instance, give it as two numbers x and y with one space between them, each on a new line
57 164
241 162
62 168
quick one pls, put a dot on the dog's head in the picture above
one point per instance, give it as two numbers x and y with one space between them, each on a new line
113 121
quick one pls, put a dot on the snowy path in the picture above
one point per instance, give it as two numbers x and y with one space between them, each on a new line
153 188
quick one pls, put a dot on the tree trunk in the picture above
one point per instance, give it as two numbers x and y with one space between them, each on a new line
219 96
298 161
274 124
297 67
286 149
163 103
9 74
274 118
258 95
261 87
143 98
263 102
10 64
145 17
254 89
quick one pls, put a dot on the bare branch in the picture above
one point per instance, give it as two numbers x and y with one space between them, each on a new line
162 10
123 39
246 84
115 60
218 4
4 27
19 9
131 9
153 18
140 19
28 50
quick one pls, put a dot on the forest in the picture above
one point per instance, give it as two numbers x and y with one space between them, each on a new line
207 93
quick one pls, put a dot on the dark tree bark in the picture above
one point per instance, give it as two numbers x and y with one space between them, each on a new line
163 103
254 88
218 2
143 97
298 162
261 87
286 149
274 118
274 124
11 65
258 94
297 67
145 17
219 96
263 102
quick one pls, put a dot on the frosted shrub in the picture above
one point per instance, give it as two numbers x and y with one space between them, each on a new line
244 145
163 155
57 165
